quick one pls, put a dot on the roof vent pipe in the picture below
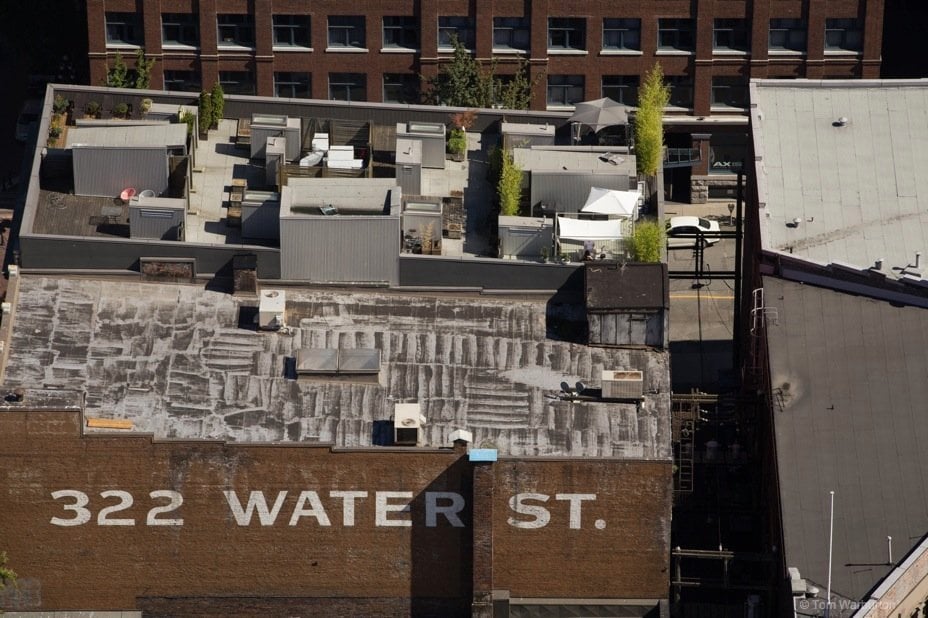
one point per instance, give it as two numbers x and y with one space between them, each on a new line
918 257
840 122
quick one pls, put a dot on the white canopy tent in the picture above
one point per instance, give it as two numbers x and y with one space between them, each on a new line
581 229
611 202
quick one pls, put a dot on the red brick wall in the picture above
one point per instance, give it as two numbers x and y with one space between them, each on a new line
94 566
700 66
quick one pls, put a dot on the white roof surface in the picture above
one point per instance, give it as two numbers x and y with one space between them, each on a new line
609 202
146 136
854 193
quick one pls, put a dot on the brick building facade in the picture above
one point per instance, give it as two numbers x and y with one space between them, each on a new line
378 51
577 51
104 522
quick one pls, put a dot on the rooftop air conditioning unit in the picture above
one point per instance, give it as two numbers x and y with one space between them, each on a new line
622 384
407 424
271 309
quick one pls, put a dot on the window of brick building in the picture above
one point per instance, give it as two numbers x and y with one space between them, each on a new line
184 81
293 85
681 90
565 90
348 86
729 92
237 82
730 35
347 32
676 35
123 29
400 32
292 31
236 30
621 88
455 26
622 34
400 88
566 33
182 29
844 35
511 33
787 35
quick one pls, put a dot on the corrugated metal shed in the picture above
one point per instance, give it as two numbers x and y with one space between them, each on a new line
166 135
344 249
347 195
159 218
522 135
567 191
105 171
261 215
525 237
264 126
432 137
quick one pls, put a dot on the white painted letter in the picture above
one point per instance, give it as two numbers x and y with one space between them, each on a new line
81 514
576 501
348 498
257 502
383 508
450 511
540 513
316 511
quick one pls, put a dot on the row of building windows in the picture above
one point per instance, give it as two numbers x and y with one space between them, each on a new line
565 34
562 90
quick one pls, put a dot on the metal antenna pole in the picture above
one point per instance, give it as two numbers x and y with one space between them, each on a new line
831 536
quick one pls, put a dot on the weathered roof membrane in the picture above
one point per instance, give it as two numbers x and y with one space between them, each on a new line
175 361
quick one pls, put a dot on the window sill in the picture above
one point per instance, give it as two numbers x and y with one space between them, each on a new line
229 47
673 52
727 109
123 46
179 47
620 52
511 51
785 52
730 52
567 52
450 50
849 53
398 50
347 50
291 48
560 108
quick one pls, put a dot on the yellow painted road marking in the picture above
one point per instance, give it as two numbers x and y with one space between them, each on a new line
706 296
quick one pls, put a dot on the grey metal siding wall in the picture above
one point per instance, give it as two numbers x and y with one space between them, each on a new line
627 328
159 224
525 242
570 190
69 253
107 171
261 221
340 249
489 274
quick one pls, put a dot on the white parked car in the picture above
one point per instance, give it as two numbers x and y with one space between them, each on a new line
690 225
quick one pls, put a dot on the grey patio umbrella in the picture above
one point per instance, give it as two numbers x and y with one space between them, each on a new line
600 114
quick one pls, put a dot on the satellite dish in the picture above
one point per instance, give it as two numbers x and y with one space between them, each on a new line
580 387
408 421
566 387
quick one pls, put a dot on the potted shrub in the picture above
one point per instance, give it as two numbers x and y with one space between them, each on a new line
145 105
457 144
120 110
92 110
60 105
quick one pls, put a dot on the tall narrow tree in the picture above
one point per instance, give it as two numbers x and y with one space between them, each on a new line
653 97
143 68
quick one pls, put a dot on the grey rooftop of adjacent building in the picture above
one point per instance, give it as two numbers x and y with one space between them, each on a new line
841 170
857 427
175 360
